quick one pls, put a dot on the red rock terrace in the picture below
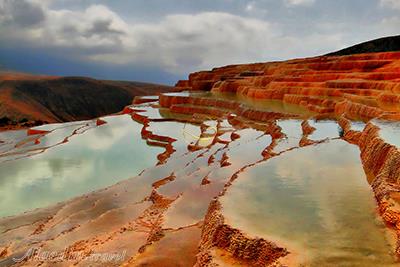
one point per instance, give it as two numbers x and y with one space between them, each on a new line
270 164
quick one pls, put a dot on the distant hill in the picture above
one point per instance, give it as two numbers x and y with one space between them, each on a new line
386 44
61 99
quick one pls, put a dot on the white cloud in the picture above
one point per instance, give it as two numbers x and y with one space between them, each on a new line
200 40
390 3
94 29
95 26
178 43
299 2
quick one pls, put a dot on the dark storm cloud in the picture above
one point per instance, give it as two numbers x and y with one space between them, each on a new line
103 27
21 13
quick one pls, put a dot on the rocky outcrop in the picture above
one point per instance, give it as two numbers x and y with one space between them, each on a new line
381 162
357 86
217 107
391 43
217 234
100 122
36 131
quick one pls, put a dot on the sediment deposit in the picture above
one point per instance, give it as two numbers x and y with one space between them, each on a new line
228 122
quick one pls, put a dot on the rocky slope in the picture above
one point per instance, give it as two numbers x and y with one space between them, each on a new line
59 99
385 44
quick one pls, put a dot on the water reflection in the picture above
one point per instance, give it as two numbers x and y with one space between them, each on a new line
95 159
324 129
390 131
320 206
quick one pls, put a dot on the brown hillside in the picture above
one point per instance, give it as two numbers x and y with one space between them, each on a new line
60 99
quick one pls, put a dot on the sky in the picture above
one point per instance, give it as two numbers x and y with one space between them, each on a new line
162 41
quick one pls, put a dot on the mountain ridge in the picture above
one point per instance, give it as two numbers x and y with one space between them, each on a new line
384 44
48 99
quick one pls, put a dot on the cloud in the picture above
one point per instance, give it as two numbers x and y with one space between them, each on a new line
299 2
395 4
95 29
21 13
206 39
185 43
177 43
96 26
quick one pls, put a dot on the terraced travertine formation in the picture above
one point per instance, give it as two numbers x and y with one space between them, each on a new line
280 164
365 85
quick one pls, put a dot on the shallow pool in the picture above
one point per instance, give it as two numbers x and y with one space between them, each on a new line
316 202
96 158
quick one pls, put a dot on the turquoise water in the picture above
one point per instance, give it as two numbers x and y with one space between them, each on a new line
95 158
